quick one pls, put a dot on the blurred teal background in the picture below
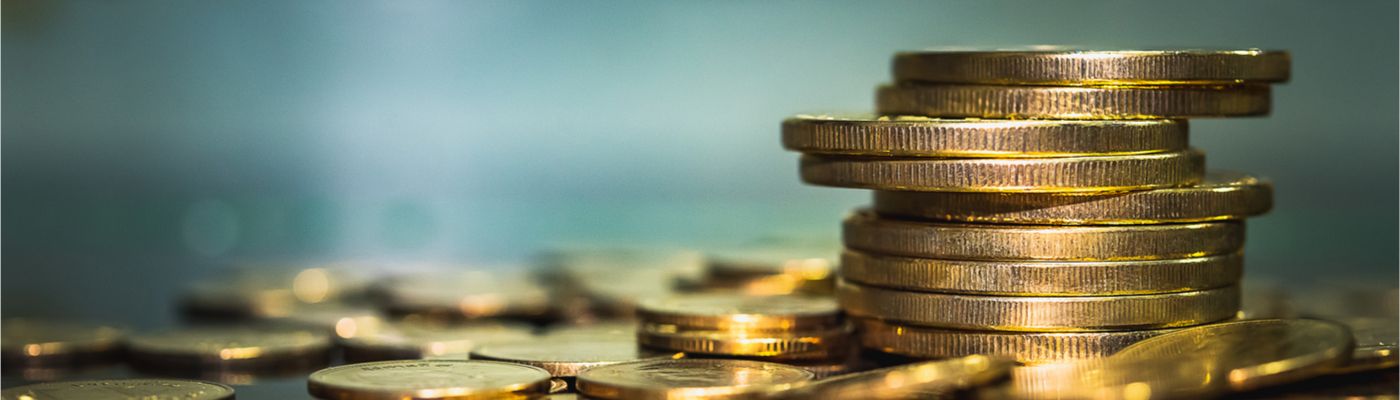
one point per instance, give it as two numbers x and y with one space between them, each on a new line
146 143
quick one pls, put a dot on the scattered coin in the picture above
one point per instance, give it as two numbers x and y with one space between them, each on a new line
1061 102
466 295
688 378
429 379
1069 67
824 344
1376 344
121 389
420 340
772 269
26 342
565 358
230 348
1089 174
731 312
922 380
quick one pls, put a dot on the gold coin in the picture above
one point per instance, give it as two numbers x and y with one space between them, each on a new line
689 379
912 136
790 345
269 292
1222 195
121 389
921 380
342 320
1022 347
429 379
1376 344
421 340
1043 278
471 294
218 348
1051 102
750 313
773 269
1024 175
863 231
1088 67
37 343
1040 314
565 358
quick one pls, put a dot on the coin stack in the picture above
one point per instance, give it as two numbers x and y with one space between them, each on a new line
1040 205
804 330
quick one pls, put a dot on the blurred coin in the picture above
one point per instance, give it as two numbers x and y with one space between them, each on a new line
751 313
1348 297
773 269
429 379
606 329
267 292
912 136
1091 174
121 389
923 380
1376 344
863 231
1022 347
464 295
1060 67
688 378
612 280
564 357
342 320
1052 102
824 344
27 342
419 340
1222 195
230 348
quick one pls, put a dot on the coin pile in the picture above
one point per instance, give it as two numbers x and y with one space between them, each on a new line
1040 205
803 330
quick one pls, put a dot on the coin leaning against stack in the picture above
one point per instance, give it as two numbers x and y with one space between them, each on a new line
1040 205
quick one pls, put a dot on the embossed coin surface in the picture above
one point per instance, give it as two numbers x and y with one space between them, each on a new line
564 357
37 342
912 136
121 389
689 378
730 312
429 379
1094 67
229 347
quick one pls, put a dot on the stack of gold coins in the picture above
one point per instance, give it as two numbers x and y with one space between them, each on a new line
793 329
1040 205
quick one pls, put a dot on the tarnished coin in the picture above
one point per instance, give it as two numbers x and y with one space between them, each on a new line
429 379
1223 195
43 343
731 312
1041 314
689 379
121 389
922 380
1063 102
565 357
913 136
232 348
420 340
1022 347
1094 67
776 345
866 232
459 295
1090 174
1376 344
1043 278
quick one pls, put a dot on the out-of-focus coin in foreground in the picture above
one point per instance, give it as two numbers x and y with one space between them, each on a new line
230 348
28 342
1058 102
565 358
121 389
1022 347
929 379
1222 195
429 379
776 345
420 340
737 312
912 136
1376 344
1063 67
1091 174
689 378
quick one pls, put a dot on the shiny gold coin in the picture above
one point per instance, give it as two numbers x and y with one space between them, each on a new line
1061 102
751 313
429 379
922 380
1090 67
790 345
230 348
1040 314
863 231
689 379
37 342
1222 195
912 136
1043 278
471 294
1376 344
1026 175
421 340
1022 347
565 358
121 389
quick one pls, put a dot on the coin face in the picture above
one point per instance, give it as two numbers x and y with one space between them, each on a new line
1094 67
688 378
929 379
1078 103
37 341
121 389
1089 174
566 357
227 346
419 340
731 312
913 136
428 379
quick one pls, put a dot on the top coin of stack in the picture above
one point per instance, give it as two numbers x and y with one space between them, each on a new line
1041 205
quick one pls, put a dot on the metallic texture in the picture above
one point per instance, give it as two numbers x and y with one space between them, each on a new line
564 357
1026 175
727 311
920 380
1051 102
792 345
135 389
217 348
911 136
1023 347
429 379
1080 67
689 379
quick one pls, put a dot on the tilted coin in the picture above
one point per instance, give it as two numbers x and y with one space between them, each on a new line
230 347
419 340
120 389
26 342
776 345
913 136
1022 347
1376 344
1090 174
689 379
866 232
730 312
1062 102
1040 314
429 379
929 379
1223 195
565 357
1094 67
1043 278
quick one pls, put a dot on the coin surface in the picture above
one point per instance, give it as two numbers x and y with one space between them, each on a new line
731 312
26 342
1062 102
565 358
1094 67
1022 347
785 345
420 340
1043 278
1222 195
1376 344
689 378
1024 175
865 232
120 389
1040 314
913 136
229 347
429 379
921 380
